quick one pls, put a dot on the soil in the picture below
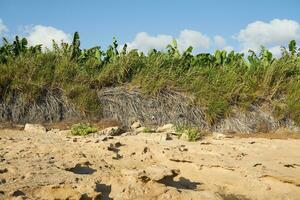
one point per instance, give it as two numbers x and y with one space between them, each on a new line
55 165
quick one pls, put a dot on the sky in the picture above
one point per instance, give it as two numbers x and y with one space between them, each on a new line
144 24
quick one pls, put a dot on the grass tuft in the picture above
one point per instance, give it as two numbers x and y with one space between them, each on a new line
83 129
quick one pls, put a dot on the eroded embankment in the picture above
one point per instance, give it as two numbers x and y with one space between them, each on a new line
127 105
172 107
49 107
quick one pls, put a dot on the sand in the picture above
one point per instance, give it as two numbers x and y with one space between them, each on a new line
55 165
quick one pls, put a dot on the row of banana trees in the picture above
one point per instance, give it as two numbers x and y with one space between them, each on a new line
19 47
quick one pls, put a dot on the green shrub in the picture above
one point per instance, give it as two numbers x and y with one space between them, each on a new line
192 134
82 129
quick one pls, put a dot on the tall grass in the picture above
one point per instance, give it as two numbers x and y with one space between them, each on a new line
218 82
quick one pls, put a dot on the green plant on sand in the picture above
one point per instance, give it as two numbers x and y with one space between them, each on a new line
83 129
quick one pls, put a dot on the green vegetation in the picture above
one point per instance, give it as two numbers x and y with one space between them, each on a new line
218 81
192 134
148 130
83 129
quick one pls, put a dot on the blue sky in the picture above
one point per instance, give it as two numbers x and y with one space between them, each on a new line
190 21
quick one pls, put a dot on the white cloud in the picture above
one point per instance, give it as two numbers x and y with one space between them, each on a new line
276 51
192 38
219 41
273 33
144 42
45 34
3 27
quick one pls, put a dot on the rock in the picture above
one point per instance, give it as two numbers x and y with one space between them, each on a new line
220 136
35 128
140 130
165 137
170 128
135 125
162 136
182 148
158 172
111 131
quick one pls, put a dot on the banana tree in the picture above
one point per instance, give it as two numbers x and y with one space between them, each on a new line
203 60
293 47
19 46
76 51
93 53
6 51
265 55
253 58
220 57
111 53
173 49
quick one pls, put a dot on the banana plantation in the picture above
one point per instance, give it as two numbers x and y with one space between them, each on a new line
217 82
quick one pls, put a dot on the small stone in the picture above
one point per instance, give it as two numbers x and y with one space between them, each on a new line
163 136
135 125
110 131
170 128
218 136
157 172
140 130
182 149
35 128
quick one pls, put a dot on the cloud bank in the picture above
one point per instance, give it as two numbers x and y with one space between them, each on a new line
45 34
271 34
144 42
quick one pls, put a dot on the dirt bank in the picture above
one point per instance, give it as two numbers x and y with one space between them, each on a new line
128 105
54 165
